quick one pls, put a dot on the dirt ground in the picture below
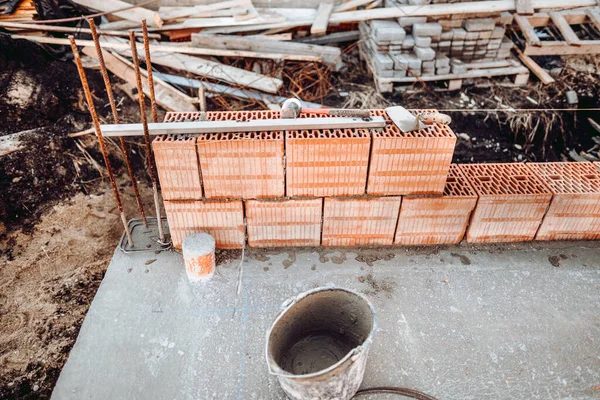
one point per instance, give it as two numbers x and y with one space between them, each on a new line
58 221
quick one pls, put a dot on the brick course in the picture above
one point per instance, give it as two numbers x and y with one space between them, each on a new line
437 220
280 223
574 213
224 220
512 202
360 221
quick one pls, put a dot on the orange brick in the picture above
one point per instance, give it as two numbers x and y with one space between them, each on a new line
512 202
224 220
437 220
327 162
574 213
242 165
284 223
177 167
360 221
220 116
412 162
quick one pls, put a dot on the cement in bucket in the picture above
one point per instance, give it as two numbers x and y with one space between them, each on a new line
318 345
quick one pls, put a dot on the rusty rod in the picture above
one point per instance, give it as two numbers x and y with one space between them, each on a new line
149 71
92 109
150 160
113 107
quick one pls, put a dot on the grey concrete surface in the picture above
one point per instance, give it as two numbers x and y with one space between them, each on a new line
463 322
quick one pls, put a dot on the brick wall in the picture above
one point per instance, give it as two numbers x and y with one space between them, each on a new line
177 167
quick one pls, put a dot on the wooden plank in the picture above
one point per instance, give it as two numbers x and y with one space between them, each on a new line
167 96
187 128
594 16
352 4
329 55
538 71
565 29
524 6
561 48
221 22
135 14
527 30
573 17
336 37
173 48
182 12
67 29
319 26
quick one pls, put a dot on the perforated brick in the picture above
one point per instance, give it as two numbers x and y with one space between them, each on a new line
512 202
284 223
360 221
223 220
177 167
437 220
410 162
220 116
242 165
574 213
327 162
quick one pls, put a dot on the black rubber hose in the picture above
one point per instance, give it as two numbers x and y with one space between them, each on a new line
415 394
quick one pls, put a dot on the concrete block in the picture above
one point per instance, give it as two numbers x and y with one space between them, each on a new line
427 29
472 36
408 22
325 162
506 44
447 35
413 61
400 73
459 34
224 220
410 163
441 60
435 46
479 24
422 41
437 220
498 32
424 53
253 158
409 42
387 30
483 42
400 61
428 72
457 66
428 64
284 223
360 222
470 43
383 62
443 70
418 2
485 34
415 72
177 167
512 202
458 43
445 44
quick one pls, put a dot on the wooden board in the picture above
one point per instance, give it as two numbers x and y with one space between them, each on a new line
538 71
329 55
135 14
527 30
166 96
565 29
524 6
181 12
561 48
319 26
186 128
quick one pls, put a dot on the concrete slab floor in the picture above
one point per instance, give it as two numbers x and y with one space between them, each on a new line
460 322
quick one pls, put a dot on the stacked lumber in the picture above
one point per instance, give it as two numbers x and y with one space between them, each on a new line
25 11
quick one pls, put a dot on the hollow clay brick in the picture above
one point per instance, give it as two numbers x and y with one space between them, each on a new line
360 221
280 223
415 162
574 213
327 162
242 165
437 220
177 167
512 202
220 115
224 220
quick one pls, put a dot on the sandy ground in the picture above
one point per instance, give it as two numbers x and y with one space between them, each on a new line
48 283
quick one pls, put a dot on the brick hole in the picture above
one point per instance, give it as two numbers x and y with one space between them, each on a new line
555 177
591 177
484 178
520 178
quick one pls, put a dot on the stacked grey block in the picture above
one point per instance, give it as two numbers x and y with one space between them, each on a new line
411 46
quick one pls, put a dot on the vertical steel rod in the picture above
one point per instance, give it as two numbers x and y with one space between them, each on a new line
113 107
149 71
150 160
92 109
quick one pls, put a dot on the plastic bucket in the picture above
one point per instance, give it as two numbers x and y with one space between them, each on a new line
318 345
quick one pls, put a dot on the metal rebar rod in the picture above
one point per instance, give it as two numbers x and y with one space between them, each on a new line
92 109
113 107
150 161
149 69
